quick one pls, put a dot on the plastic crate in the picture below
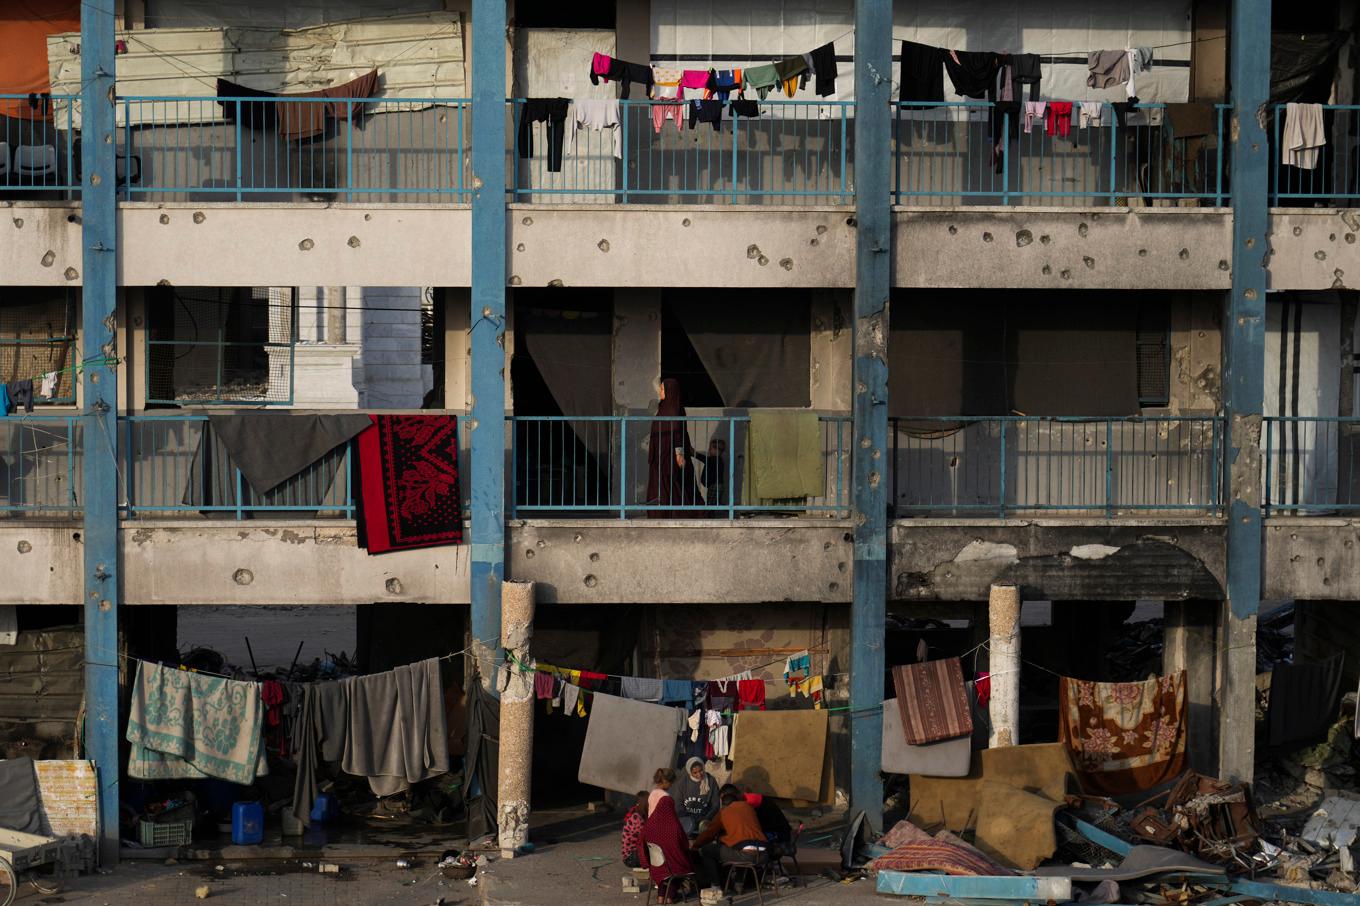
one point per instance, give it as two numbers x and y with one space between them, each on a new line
166 833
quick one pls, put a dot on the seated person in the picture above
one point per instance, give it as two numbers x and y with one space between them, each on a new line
632 830
662 830
771 817
695 795
735 823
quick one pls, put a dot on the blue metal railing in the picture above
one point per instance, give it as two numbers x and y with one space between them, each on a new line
1331 173
599 467
38 151
1311 464
234 148
945 152
173 466
40 465
997 466
794 152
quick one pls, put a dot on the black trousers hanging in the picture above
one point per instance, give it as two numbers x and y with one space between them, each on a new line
553 111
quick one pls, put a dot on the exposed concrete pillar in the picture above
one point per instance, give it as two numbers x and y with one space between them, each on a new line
635 356
457 353
833 353
1244 385
1003 617
1189 634
517 717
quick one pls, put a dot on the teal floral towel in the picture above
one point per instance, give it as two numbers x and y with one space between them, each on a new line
187 726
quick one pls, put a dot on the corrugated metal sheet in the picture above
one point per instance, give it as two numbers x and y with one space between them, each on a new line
418 57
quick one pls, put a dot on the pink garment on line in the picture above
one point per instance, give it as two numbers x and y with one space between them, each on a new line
599 64
1034 113
660 112
1058 118
694 78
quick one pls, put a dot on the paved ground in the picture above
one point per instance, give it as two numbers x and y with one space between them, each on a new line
575 861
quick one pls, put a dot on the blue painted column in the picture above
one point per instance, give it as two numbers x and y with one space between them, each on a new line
873 118
486 426
1244 384
99 405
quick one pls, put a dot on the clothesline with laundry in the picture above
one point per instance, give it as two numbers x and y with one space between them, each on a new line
21 391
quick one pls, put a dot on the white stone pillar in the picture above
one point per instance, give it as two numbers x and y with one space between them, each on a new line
1003 617
517 718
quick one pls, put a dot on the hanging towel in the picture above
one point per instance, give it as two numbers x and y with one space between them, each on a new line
666 84
1106 68
810 686
598 114
408 471
675 691
641 688
750 695
1123 737
188 726
271 447
784 455
1304 136
48 387
933 701
1303 700
922 73
823 61
972 72
397 733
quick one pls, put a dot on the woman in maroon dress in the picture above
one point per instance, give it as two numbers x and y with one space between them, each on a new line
663 829
671 480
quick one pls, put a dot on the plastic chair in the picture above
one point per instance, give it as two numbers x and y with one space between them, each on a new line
35 164
789 850
757 865
657 859
4 160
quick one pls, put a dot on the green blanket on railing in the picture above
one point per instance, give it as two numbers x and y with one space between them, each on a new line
783 457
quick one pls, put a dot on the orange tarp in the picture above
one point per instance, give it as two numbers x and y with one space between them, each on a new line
24 27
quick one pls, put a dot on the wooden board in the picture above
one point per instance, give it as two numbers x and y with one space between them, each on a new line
781 753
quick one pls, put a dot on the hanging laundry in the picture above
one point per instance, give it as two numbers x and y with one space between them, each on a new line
761 79
706 112
48 387
664 111
922 73
792 73
319 736
641 688
675 691
750 109
982 687
397 731
553 111
1123 737
822 61
409 492
1034 112
1106 68
298 120
743 675
1091 115
571 700
698 80
1140 61
188 726
1026 70
797 667
718 741
1058 118
21 394
1304 136
666 84
973 73
722 695
598 114
5 407
933 701
726 82
698 693
750 695
620 71
543 685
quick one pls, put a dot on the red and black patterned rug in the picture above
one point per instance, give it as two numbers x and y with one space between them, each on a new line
408 475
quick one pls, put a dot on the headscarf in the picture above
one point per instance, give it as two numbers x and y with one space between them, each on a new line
655 796
672 405
704 780
663 828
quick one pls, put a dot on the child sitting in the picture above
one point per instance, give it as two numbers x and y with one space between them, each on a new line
632 830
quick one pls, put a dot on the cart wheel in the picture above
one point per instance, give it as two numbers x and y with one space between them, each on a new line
47 890
9 883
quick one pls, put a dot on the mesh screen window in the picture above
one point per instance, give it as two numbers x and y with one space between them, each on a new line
38 336
216 346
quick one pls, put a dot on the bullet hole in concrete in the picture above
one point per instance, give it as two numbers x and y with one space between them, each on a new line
24 547
70 273
821 229
812 241
49 259
752 252
1251 242
834 586
243 577
199 217
353 242
577 538
306 245
393 586
603 245
519 247
1320 255
1089 262
1142 253
591 581
986 237
165 218
848 538
1223 264
1321 562
1046 270
162 282
542 544
873 479
1298 231
95 180
685 222
1065 273
18 223
594 557
73 218
762 261
1045 239
1331 237
528 221
850 221
876 455
75 536
529 554
368 217
1250 294
840 567
1350 239
556 281
104 605
1023 238
1183 254
865 442
515 280
826 545
786 263
1083 229
1326 580
953 230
